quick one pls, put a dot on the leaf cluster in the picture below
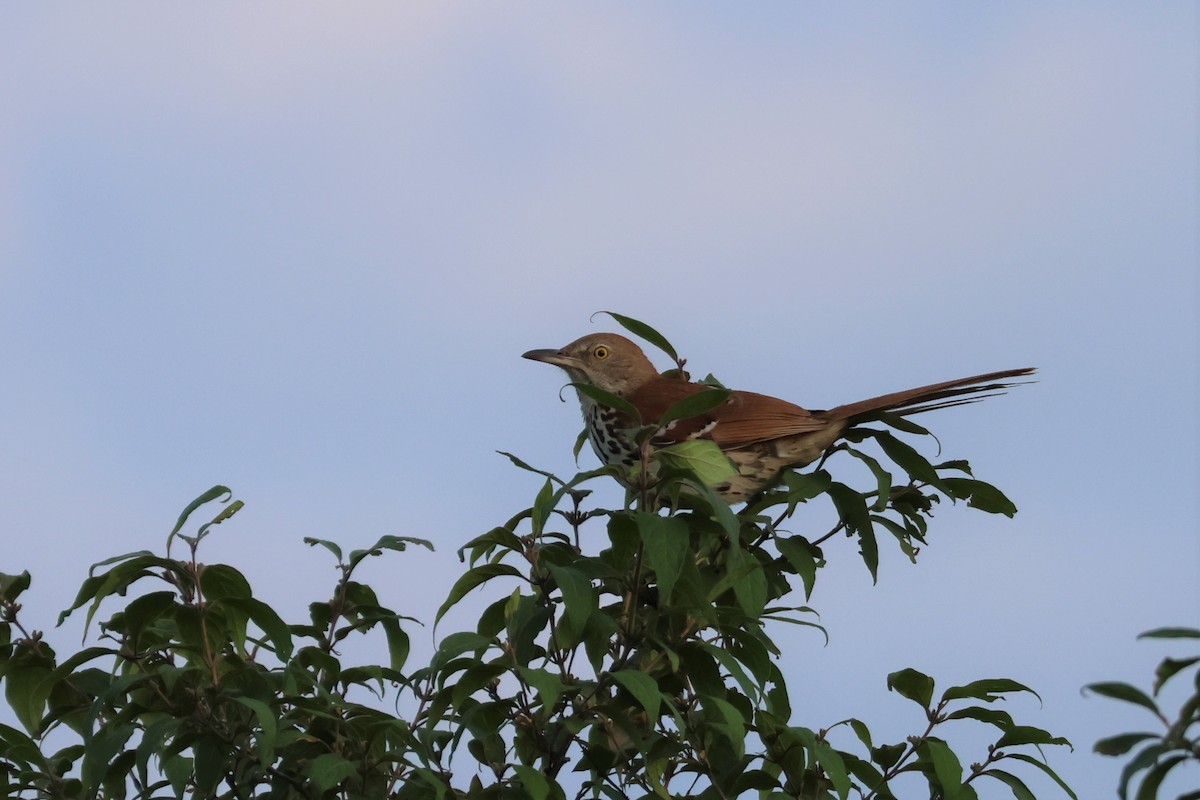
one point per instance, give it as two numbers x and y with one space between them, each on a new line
1177 744
645 664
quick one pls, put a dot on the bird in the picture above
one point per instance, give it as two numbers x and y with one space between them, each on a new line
761 435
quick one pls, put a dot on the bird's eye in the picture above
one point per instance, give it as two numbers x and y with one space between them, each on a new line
600 352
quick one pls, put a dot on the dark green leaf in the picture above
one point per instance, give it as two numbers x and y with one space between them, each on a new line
212 494
11 586
988 690
666 542
992 716
1122 744
610 400
1027 734
1019 789
883 478
908 459
946 766
644 331
1171 633
268 621
268 725
980 495
642 687
724 717
218 581
579 598
328 770
1154 778
916 686
1168 668
802 555
852 509
693 406
1123 691
472 578
1046 769
542 506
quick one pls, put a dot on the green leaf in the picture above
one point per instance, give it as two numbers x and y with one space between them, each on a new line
642 687
1168 668
988 690
1123 691
533 781
473 578
1019 789
666 542
1027 734
11 586
1154 778
267 723
644 331
693 406
328 770
916 686
579 598
328 545
218 581
908 459
946 766
212 494
725 718
992 716
981 495
518 462
609 400
542 506
883 478
701 457
26 686
1046 769
1122 744
852 509
268 621
1171 633
802 555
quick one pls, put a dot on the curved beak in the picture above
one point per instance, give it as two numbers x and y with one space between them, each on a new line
556 357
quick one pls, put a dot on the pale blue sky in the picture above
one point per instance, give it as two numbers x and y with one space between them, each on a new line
298 250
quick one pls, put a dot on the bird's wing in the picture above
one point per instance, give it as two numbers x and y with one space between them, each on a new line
745 418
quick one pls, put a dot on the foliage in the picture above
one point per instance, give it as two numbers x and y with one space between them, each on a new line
647 668
1178 743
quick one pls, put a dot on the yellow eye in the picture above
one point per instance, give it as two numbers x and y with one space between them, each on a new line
600 352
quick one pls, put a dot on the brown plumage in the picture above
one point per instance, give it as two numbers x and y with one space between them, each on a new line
762 435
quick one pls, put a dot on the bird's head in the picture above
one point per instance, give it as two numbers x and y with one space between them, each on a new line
604 360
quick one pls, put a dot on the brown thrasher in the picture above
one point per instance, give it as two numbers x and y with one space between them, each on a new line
761 435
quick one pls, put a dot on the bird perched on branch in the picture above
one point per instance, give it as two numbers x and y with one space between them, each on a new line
761 435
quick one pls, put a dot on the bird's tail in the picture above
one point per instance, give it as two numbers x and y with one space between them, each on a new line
937 395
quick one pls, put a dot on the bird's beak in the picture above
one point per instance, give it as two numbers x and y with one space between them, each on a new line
555 357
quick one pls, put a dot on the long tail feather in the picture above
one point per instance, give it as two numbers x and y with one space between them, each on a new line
937 395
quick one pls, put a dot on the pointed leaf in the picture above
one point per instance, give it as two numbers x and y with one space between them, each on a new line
644 331
1019 789
693 406
1123 691
472 578
642 687
666 542
988 690
701 457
